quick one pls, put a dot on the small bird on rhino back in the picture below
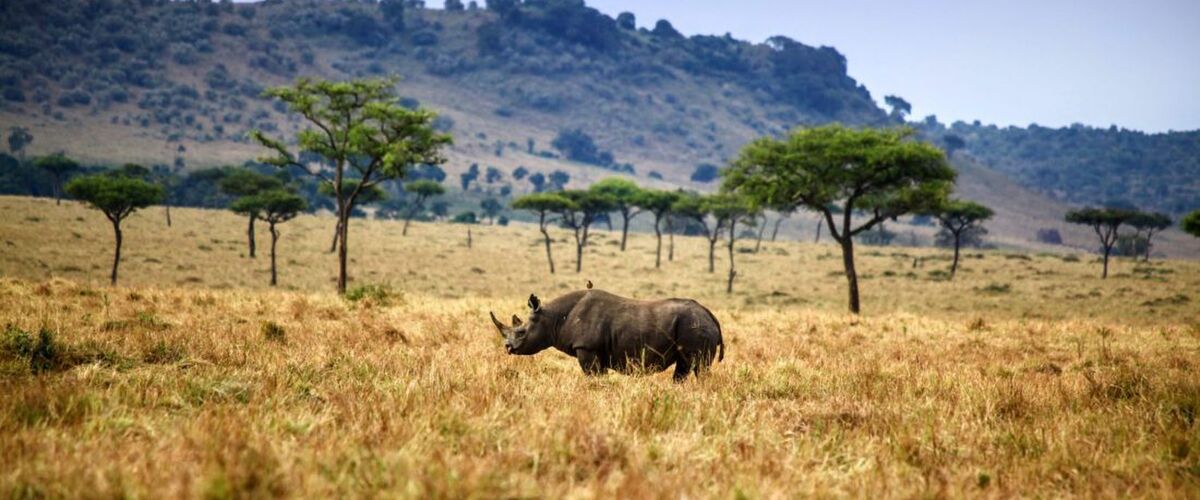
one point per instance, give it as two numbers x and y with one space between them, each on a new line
604 331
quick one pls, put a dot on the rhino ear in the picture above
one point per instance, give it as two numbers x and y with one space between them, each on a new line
499 326
516 321
534 303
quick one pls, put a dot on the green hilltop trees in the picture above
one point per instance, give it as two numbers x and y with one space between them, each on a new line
957 217
423 190
274 206
59 167
116 196
545 205
1106 222
359 127
244 183
877 174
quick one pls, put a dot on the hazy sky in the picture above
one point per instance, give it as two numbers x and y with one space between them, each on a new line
1132 63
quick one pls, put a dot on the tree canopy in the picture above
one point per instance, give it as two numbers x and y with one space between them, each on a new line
360 127
1191 224
1106 222
876 173
117 196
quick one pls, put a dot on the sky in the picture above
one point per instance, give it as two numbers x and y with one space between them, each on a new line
1135 64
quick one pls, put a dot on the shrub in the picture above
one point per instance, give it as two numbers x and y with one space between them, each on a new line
377 293
706 173
273 332
14 94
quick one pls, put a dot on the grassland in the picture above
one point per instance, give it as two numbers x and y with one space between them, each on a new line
1025 376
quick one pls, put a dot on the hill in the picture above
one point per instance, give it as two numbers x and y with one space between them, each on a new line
1026 376
546 85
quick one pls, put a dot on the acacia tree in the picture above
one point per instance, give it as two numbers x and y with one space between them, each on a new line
1191 224
1105 222
658 203
359 127
1149 223
586 207
243 183
784 214
958 217
729 209
491 208
116 196
59 167
545 205
275 206
878 174
424 190
697 208
372 195
625 193
18 139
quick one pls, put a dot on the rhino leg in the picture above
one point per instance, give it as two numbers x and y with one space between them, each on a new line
590 362
682 369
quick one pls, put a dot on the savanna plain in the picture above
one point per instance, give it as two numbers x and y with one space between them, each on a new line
1025 375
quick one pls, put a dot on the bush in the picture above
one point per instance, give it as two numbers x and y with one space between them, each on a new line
706 173
381 294
273 332
74 98
14 94
424 39
1049 236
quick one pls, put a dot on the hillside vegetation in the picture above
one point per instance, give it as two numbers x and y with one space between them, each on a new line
152 81
1025 376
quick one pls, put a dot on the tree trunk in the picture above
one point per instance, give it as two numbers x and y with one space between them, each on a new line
470 240
274 240
407 221
732 271
957 244
57 191
762 229
712 247
624 231
578 253
250 236
1148 236
546 238
671 239
1107 252
337 235
117 253
658 248
168 208
819 224
343 251
851 273
776 231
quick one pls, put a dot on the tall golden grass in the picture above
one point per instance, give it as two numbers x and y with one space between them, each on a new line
1026 376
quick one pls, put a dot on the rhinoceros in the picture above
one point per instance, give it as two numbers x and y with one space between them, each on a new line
604 331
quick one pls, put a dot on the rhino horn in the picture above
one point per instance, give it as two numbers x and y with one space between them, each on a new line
499 326
516 321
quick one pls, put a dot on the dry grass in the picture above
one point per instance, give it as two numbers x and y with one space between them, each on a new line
1026 376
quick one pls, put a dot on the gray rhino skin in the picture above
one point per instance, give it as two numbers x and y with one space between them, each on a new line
604 331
